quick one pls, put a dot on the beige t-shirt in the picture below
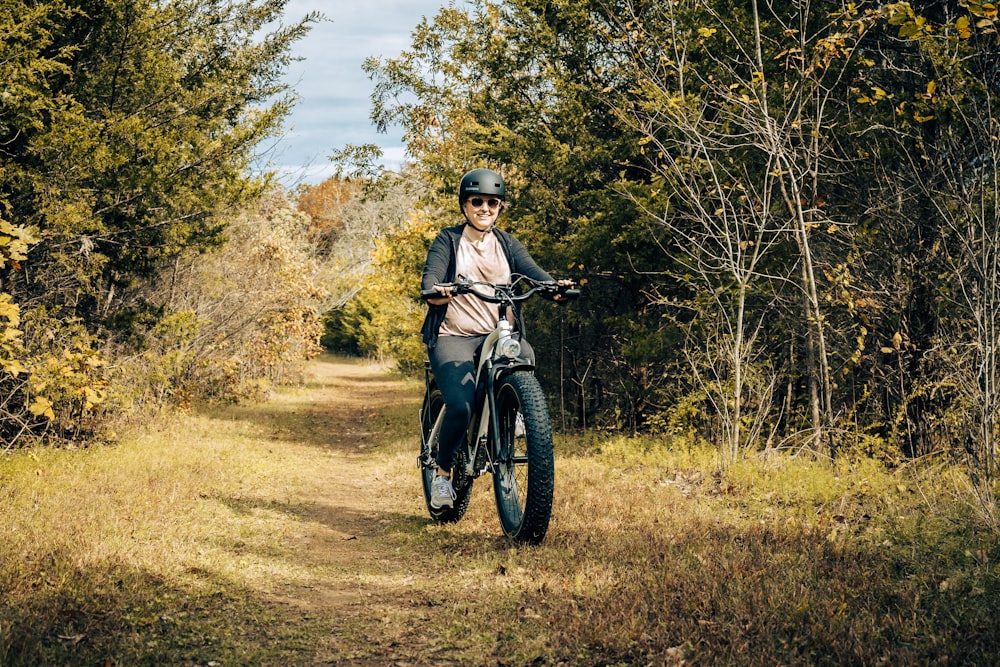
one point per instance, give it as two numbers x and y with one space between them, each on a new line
484 261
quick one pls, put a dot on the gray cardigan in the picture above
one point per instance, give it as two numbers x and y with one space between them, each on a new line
440 268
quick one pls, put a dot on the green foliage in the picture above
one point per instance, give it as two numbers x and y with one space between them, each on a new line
785 229
342 328
55 389
55 386
937 213
66 378
10 336
14 243
524 87
147 117
126 128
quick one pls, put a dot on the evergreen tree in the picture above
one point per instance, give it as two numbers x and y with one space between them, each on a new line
149 116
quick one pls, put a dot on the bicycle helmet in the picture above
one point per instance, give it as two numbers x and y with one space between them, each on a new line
481 182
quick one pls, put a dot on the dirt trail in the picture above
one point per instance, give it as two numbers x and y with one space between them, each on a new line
347 398
364 509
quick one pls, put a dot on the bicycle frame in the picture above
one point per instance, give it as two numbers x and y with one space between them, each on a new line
489 369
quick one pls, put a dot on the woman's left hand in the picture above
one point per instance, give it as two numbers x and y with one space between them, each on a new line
562 283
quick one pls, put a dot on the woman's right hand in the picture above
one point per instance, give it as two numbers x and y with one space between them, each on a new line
445 297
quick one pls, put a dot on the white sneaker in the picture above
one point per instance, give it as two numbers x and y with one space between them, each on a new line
442 494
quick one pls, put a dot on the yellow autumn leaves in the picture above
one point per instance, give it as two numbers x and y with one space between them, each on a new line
67 377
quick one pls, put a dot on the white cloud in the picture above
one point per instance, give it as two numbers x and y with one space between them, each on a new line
291 175
334 105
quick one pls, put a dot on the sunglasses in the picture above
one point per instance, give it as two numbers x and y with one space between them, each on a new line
476 202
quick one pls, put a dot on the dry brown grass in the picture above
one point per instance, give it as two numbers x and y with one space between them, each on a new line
294 533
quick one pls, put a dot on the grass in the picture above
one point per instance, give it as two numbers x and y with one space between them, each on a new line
293 533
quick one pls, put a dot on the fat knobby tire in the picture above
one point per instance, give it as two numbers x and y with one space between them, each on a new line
524 512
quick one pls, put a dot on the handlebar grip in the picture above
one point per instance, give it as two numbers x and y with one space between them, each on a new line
456 289
571 294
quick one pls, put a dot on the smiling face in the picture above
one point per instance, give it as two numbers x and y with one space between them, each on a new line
482 210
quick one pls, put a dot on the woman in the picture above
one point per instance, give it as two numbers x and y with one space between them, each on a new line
456 325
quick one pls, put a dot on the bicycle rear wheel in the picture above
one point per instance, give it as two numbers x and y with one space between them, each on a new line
430 413
524 469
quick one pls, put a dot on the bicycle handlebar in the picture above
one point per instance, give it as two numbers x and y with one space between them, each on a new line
505 293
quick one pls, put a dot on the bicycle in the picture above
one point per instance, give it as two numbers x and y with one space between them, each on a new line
510 433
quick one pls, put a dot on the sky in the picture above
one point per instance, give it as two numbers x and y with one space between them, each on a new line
334 106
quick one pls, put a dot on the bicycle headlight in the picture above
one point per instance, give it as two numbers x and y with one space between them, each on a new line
509 348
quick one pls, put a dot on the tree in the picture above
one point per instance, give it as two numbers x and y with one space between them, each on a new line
349 225
736 109
796 202
126 130
157 109
942 145
237 319
325 204
518 86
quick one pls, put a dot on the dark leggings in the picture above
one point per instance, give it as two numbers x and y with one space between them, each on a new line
452 362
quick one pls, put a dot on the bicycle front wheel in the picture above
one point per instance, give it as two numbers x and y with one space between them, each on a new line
524 469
